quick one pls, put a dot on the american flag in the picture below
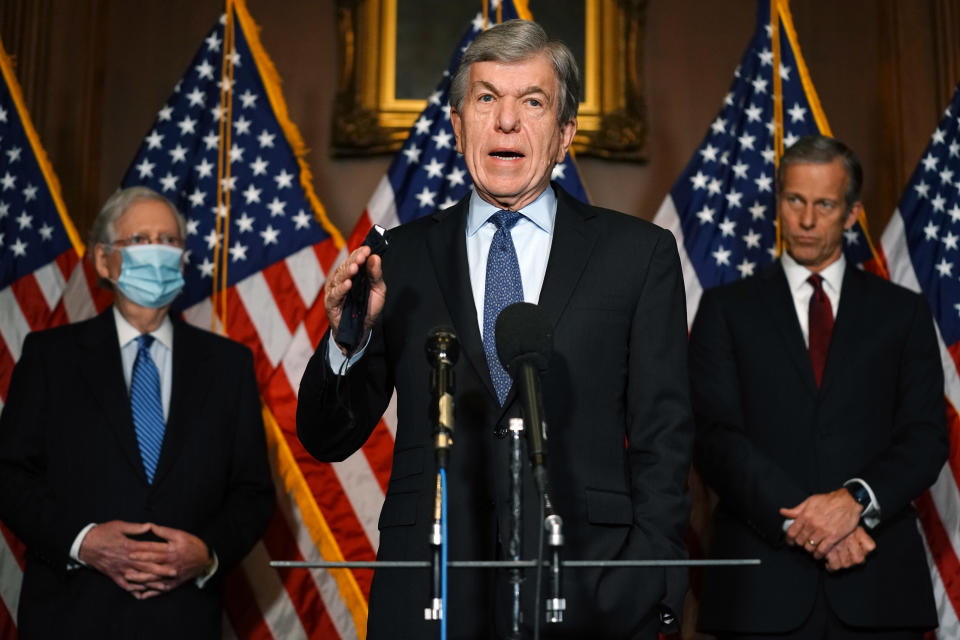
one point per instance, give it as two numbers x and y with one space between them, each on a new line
722 209
39 253
258 248
428 173
922 250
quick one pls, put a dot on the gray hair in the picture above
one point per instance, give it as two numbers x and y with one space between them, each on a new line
517 40
102 231
820 149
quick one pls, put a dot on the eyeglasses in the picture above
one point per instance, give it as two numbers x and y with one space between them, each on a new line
142 238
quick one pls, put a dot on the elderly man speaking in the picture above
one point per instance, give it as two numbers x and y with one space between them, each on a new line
132 453
614 394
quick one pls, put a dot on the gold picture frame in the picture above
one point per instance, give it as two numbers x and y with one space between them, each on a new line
369 119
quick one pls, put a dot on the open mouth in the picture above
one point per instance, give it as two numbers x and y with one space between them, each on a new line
506 154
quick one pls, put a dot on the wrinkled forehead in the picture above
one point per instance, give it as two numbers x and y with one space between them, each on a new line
534 73
822 177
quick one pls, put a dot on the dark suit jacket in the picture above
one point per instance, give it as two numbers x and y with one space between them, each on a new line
69 456
614 293
768 438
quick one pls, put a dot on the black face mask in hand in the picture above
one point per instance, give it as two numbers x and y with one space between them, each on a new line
350 331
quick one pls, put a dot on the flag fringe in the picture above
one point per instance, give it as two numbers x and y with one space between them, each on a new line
523 9
295 485
53 184
271 83
821 118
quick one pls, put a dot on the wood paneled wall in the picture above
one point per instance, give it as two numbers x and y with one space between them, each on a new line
95 72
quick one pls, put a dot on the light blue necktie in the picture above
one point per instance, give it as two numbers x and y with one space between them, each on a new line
146 406
503 288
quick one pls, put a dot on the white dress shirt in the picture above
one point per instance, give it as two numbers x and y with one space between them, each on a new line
802 292
532 236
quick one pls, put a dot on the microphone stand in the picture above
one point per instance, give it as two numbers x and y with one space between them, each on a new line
442 351
435 610
555 603
532 404
515 535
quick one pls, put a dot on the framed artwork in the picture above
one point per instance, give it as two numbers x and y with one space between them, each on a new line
393 51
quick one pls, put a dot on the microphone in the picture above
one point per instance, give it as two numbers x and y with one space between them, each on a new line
442 349
524 345
524 338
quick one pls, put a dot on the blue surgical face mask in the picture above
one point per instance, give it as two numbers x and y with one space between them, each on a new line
150 275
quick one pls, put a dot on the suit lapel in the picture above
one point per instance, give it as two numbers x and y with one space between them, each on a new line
851 315
784 317
446 242
100 342
189 384
573 242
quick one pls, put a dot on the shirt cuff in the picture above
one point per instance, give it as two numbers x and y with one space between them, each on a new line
75 547
339 363
204 577
871 514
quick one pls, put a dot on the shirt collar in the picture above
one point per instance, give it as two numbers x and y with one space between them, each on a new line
797 274
541 211
126 332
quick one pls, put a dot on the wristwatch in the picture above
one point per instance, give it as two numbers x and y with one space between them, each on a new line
860 494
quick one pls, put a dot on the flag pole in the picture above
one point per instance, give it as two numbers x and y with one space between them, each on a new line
222 210
777 109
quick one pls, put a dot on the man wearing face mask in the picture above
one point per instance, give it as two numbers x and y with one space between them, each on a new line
132 452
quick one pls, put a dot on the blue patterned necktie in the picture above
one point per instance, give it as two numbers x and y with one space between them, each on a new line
146 406
503 288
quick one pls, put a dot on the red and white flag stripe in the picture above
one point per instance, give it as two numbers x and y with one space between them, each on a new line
938 508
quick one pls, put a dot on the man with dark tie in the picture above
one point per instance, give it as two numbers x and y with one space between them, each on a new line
614 394
818 398
132 453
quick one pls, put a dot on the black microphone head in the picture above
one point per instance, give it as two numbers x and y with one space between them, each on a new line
524 334
441 345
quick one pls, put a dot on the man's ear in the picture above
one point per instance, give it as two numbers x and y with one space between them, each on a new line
100 261
457 128
853 214
567 131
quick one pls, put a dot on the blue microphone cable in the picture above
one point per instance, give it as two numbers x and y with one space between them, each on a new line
443 552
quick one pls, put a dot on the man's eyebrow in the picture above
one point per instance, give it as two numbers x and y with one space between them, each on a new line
525 91
486 85
533 88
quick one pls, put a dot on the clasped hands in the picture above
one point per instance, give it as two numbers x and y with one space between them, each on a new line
144 568
826 525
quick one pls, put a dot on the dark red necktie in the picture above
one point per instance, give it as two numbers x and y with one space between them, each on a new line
821 326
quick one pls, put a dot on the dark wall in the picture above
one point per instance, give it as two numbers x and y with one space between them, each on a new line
96 71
